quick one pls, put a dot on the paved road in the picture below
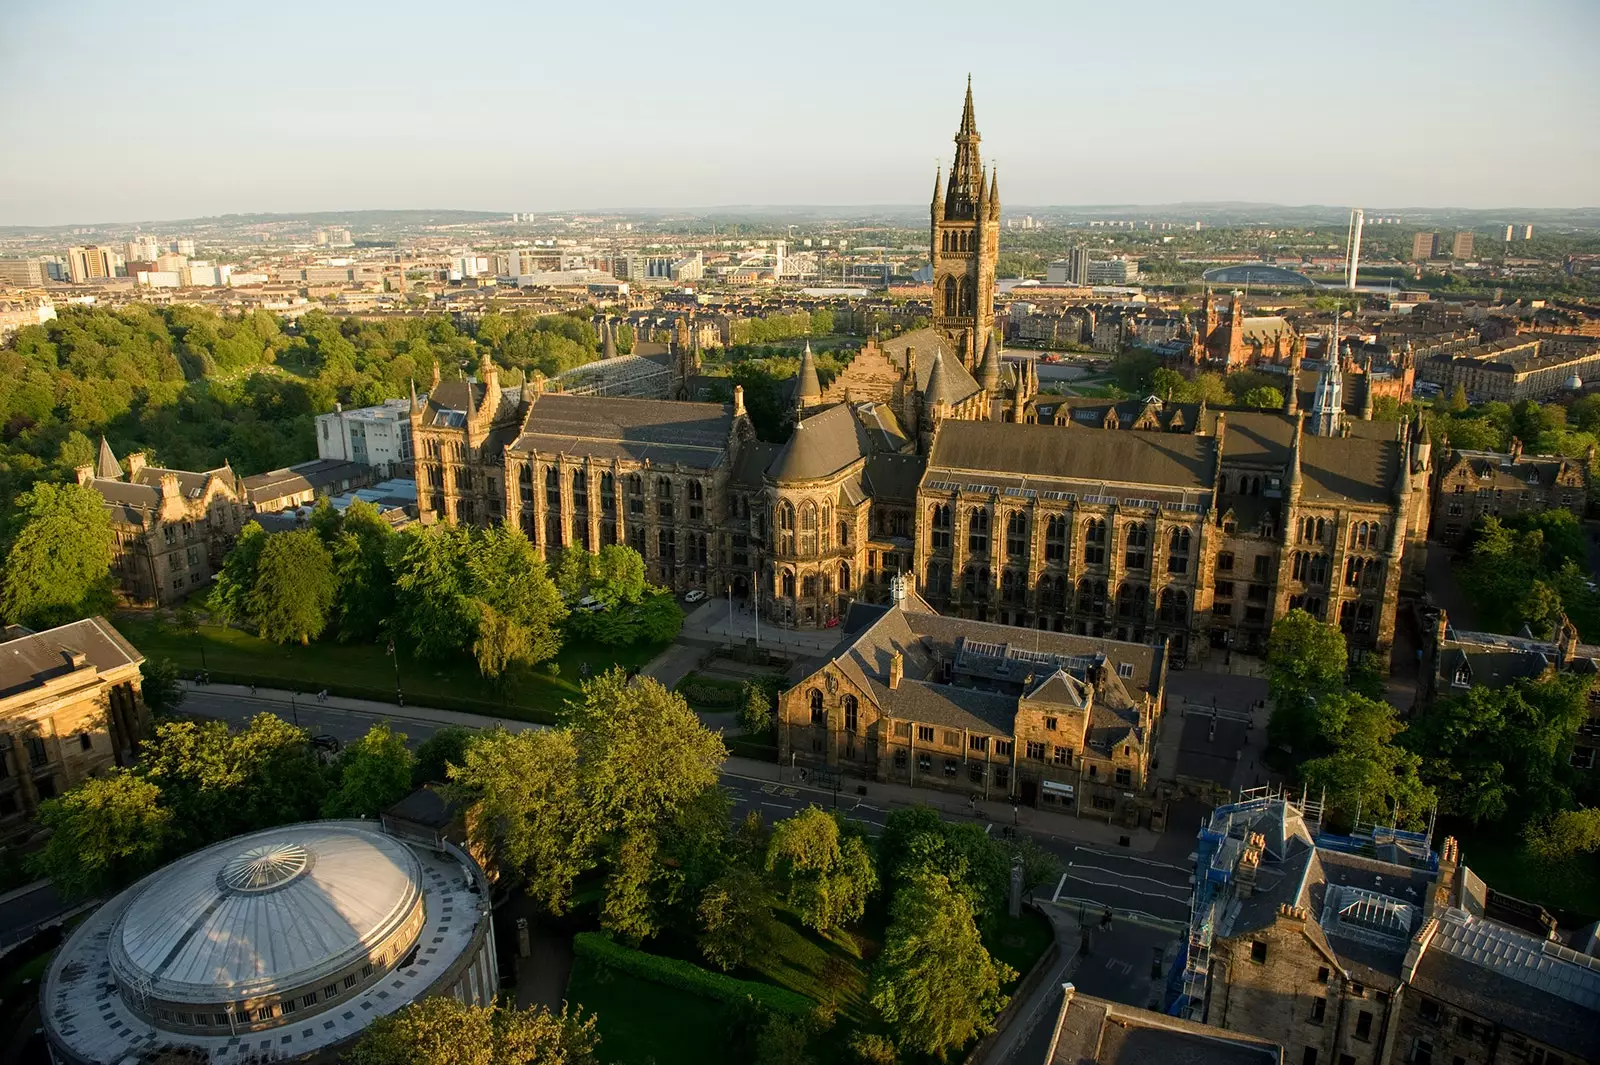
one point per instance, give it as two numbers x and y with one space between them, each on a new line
1126 963
1101 877
26 909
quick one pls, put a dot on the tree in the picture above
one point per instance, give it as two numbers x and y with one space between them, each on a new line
374 774
1458 398
529 809
755 711
629 911
1367 773
617 576
825 874
294 588
440 1030
1305 661
445 748
158 685
105 833
1263 398
781 1041
58 568
916 839
519 608
645 753
365 599
735 917
1564 835
432 603
934 983
230 595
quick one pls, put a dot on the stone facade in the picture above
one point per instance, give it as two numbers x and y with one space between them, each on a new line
1480 484
964 246
990 710
170 529
72 709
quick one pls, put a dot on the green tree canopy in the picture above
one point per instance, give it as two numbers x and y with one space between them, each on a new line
104 834
735 918
294 588
365 598
58 567
519 608
230 595
1564 834
446 747
440 1030
374 774
1305 661
934 983
1367 773
824 872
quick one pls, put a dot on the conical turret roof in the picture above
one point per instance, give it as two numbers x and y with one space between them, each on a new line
940 388
991 366
106 465
808 386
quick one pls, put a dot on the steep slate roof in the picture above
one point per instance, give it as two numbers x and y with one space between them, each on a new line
1096 1031
894 478
1515 979
28 661
106 465
983 696
1092 413
1173 460
663 431
1359 468
919 347
821 445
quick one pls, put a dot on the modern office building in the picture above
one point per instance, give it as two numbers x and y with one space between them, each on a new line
1113 271
90 263
378 436
23 273
283 944
1073 270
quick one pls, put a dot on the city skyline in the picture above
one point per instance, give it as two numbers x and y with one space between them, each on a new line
349 111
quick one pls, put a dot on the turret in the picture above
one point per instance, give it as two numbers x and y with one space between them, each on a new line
1292 478
1291 393
1366 391
990 374
1402 484
435 373
994 195
1216 470
414 404
608 340
808 386
1424 451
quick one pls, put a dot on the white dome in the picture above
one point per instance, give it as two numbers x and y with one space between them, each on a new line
267 912
1574 383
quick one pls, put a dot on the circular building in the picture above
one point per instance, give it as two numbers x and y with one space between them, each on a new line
285 942
1257 274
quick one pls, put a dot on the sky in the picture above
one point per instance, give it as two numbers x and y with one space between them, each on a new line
122 112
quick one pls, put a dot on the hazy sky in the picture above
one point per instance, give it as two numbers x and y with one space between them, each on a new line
124 111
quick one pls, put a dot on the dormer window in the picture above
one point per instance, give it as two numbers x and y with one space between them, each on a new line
1463 677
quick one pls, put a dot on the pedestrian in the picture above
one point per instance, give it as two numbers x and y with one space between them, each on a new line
252 689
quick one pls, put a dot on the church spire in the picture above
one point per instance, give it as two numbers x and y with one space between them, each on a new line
938 192
991 368
966 173
968 123
994 195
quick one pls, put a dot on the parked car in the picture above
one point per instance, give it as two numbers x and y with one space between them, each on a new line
590 604
694 596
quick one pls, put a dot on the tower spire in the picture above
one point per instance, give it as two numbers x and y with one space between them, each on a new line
968 123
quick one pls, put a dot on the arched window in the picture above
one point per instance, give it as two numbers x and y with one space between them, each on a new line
808 586
1055 539
552 488
939 579
787 581
1174 607
808 529
939 521
844 576
1094 542
1222 484
1017 535
1131 601
1317 572
975 582
951 299
978 532
819 714
851 713
969 299
1137 542
844 534
1301 566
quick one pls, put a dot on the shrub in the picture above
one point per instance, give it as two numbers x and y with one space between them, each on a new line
687 977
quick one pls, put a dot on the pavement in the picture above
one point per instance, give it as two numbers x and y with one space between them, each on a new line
1142 876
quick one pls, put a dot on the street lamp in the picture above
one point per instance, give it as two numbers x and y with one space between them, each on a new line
294 709
398 694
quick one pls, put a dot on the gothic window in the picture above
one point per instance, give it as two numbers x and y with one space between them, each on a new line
808 530
1352 571
1302 565
664 498
819 715
1174 606
824 526
552 488
635 494
524 483
940 521
1178 551
939 579
851 714
808 586
580 489
1222 484
788 584
785 523
844 576
969 300
975 582
1013 586
697 501
667 545
1317 571
1017 535
950 298
1053 593
844 534
608 492
1094 542
1091 596
978 532
1138 545
1055 539
1131 601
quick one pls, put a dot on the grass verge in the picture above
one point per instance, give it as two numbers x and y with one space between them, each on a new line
366 671
1020 941
645 1023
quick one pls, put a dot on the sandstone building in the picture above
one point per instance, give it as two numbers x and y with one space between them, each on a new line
1372 949
1479 484
913 697
170 528
70 708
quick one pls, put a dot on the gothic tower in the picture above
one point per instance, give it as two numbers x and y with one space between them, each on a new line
965 246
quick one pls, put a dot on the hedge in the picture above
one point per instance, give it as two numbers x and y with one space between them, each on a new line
687 977
434 701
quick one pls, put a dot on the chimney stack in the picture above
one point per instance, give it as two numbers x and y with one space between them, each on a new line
1255 845
85 474
738 401
897 670
136 463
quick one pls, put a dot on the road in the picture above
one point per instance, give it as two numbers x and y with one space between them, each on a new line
1097 877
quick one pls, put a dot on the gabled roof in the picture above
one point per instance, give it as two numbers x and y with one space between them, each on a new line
1172 460
663 431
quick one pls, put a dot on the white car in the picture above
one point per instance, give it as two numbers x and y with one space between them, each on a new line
694 596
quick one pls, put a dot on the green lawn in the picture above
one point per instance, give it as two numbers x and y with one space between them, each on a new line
1496 855
832 968
644 1023
1020 941
711 694
366 671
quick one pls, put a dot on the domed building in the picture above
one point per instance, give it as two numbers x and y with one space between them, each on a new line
284 943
